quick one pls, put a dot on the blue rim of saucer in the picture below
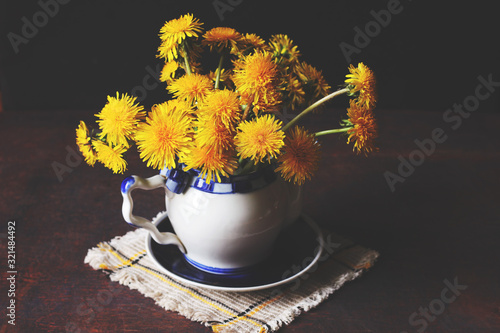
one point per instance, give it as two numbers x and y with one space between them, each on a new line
179 180
216 270
296 251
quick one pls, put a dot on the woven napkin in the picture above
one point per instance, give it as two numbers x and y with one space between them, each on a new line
125 259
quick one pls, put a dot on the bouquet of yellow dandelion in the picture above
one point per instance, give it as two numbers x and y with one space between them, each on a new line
227 121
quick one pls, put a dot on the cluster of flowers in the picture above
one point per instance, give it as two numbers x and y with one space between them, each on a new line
225 122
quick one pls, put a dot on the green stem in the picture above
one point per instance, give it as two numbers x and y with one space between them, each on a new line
219 70
247 167
241 166
313 106
333 131
186 61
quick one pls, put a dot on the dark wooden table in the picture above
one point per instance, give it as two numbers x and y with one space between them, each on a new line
437 232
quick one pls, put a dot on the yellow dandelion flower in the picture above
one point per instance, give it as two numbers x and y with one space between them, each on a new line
265 100
283 49
83 141
111 157
254 43
259 138
168 72
168 51
166 132
256 78
213 134
118 119
222 106
212 163
174 32
364 128
362 80
177 105
179 29
294 91
223 38
255 71
191 88
313 81
300 156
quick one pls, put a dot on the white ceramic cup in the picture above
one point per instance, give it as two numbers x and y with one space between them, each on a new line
222 227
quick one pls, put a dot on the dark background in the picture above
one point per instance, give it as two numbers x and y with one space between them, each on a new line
427 58
440 223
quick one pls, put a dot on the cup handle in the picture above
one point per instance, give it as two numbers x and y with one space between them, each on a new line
133 182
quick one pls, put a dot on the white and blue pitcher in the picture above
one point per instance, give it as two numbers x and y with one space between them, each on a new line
221 227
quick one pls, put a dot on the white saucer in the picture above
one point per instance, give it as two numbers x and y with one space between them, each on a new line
297 250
